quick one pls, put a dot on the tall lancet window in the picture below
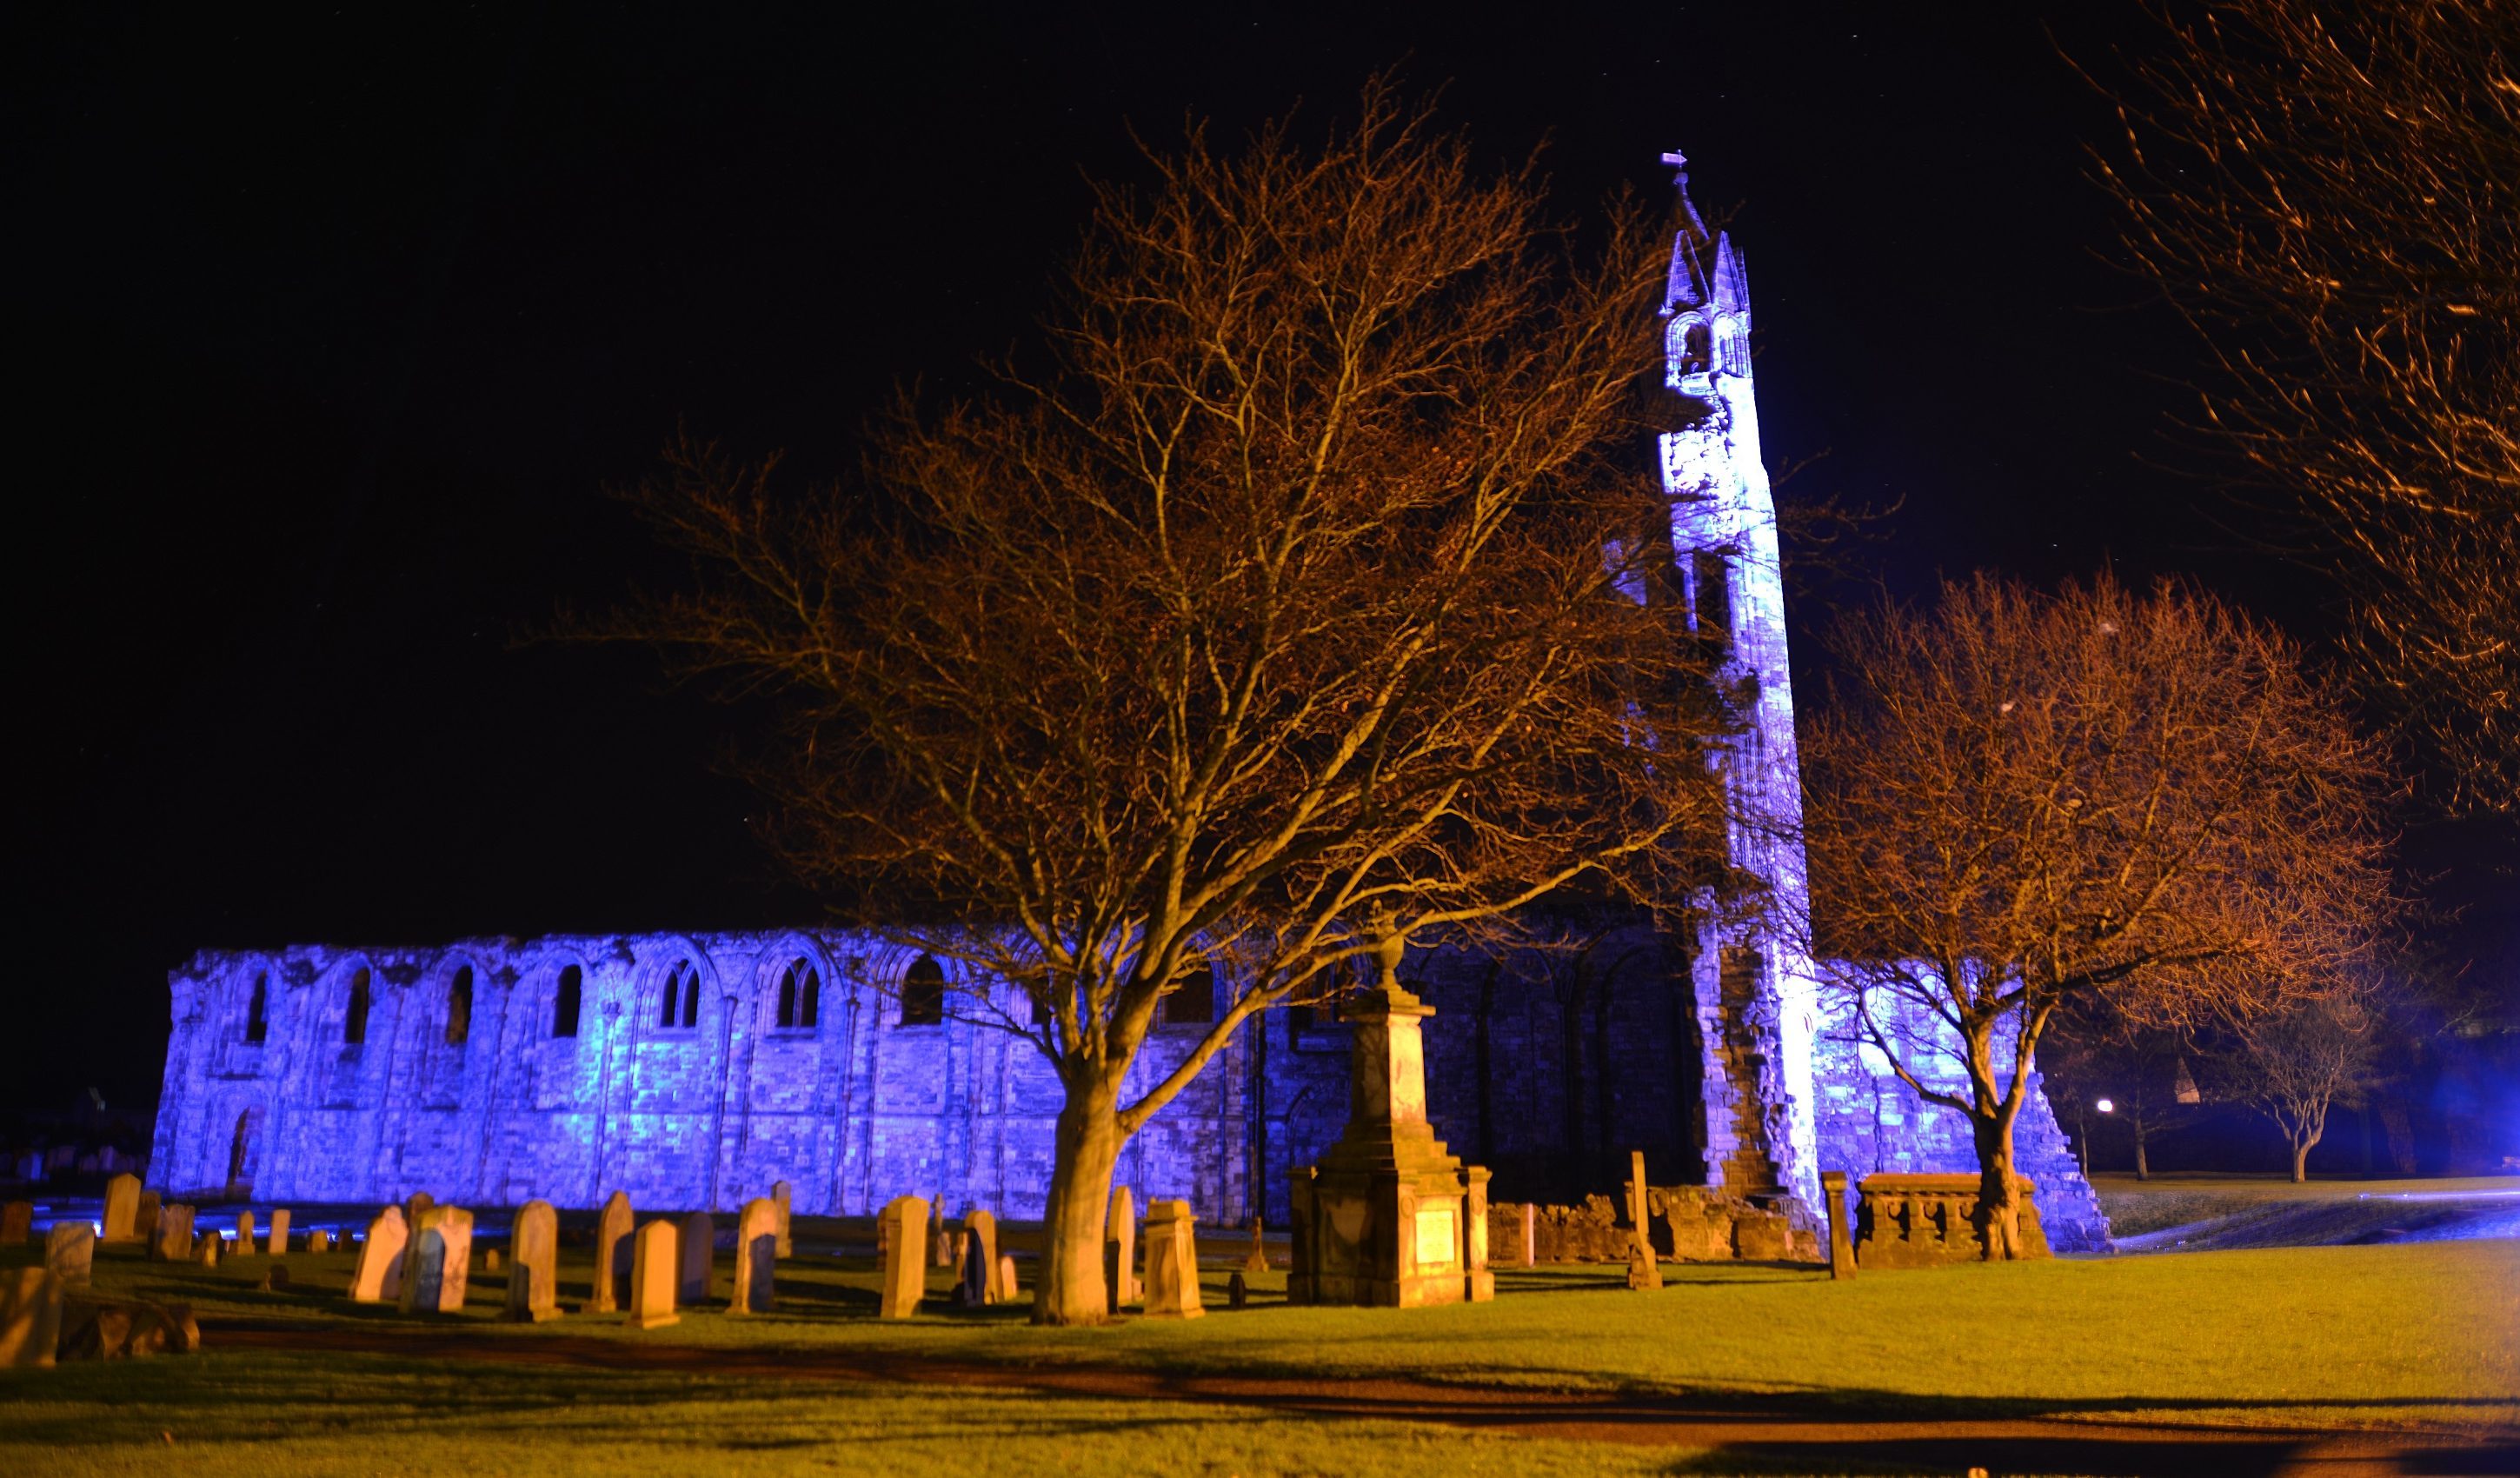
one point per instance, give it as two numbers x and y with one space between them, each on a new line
258 1018
1713 581
354 1020
459 1006
681 1002
800 994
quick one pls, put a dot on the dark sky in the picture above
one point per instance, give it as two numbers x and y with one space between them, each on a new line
331 333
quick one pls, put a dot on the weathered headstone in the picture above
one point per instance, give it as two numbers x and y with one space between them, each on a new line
209 1252
1479 1282
1007 1277
275 1279
245 1247
122 1209
438 1262
1841 1244
905 1254
276 1241
1172 1262
416 1203
941 1245
700 1258
144 1218
319 1241
31 1317
757 1256
378 1274
70 1252
16 1223
1120 1248
172 1242
492 1262
1238 1291
1257 1259
533 1288
653 1275
982 1226
1643 1271
1762 1236
780 1194
971 1283
613 1255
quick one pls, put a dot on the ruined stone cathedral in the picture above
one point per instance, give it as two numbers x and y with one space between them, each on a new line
694 1069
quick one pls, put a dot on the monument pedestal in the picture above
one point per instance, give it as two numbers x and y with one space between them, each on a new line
1384 1219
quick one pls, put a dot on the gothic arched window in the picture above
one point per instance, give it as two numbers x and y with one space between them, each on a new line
570 995
800 993
257 1020
681 989
922 993
354 1021
459 1006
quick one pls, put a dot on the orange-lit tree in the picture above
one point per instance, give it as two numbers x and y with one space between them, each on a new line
2330 193
1272 622
2023 802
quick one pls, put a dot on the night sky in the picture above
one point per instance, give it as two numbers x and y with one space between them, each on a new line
331 334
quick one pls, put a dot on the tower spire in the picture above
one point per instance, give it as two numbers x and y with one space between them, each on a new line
1688 287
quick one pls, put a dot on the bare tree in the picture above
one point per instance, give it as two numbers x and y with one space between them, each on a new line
2295 1065
2137 1076
2330 193
2021 802
1275 624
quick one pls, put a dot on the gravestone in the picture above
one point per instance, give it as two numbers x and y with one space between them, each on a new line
1762 1236
1238 1291
319 1240
378 1274
276 1241
982 1226
533 1285
491 1262
208 1253
655 1252
699 1254
16 1223
1841 1244
31 1317
1172 1262
438 1262
144 1219
1479 1285
1643 1271
122 1209
275 1279
245 1247
172 1242
613 1255
941 1245
1257 1259
1007 1276
780 1194
757 1256
972 1284
70 1252
1120 1248
905 1248
417 1202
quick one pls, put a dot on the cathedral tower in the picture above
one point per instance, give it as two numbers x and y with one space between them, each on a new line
1756 988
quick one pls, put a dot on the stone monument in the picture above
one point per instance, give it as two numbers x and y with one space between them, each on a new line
122 1209
16 1223
276 1241
780 1194
757 1256
1120 1248
244 1234
1841 1245
653 1275
1643 1272
378 1274
438 1262
1172 1262
611 1256
533 1283
31 1317
1379 1221
70 1252
981 1228
700 1258
904 1256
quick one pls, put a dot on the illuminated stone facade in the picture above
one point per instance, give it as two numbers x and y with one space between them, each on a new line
695 1070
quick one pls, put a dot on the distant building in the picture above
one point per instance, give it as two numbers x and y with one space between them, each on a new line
693 1070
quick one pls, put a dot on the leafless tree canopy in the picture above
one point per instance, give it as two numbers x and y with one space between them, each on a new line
2294 1064
1275 620
2331 191
2023 801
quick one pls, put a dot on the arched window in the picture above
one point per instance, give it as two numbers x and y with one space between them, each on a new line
800 994
257 1020
1193 1003
459 1006
565 1000
354 1021
683 988
1713 582
922 993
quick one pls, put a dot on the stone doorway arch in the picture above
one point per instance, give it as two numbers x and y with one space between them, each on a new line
244 1149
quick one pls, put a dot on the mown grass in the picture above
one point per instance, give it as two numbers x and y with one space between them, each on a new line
2137 1208
2411 1335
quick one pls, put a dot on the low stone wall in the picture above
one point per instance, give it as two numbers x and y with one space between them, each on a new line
1922 1221
1690 1224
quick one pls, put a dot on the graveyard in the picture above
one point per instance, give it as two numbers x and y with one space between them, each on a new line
2070 1362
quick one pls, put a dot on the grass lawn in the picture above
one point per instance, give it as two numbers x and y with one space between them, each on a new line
2138 1208
2416 1335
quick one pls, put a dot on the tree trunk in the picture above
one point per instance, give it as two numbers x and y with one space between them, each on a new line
2142 1167
1071 1289
1999 1204
2300 1161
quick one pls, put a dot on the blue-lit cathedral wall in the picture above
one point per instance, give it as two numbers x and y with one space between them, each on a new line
696 1070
